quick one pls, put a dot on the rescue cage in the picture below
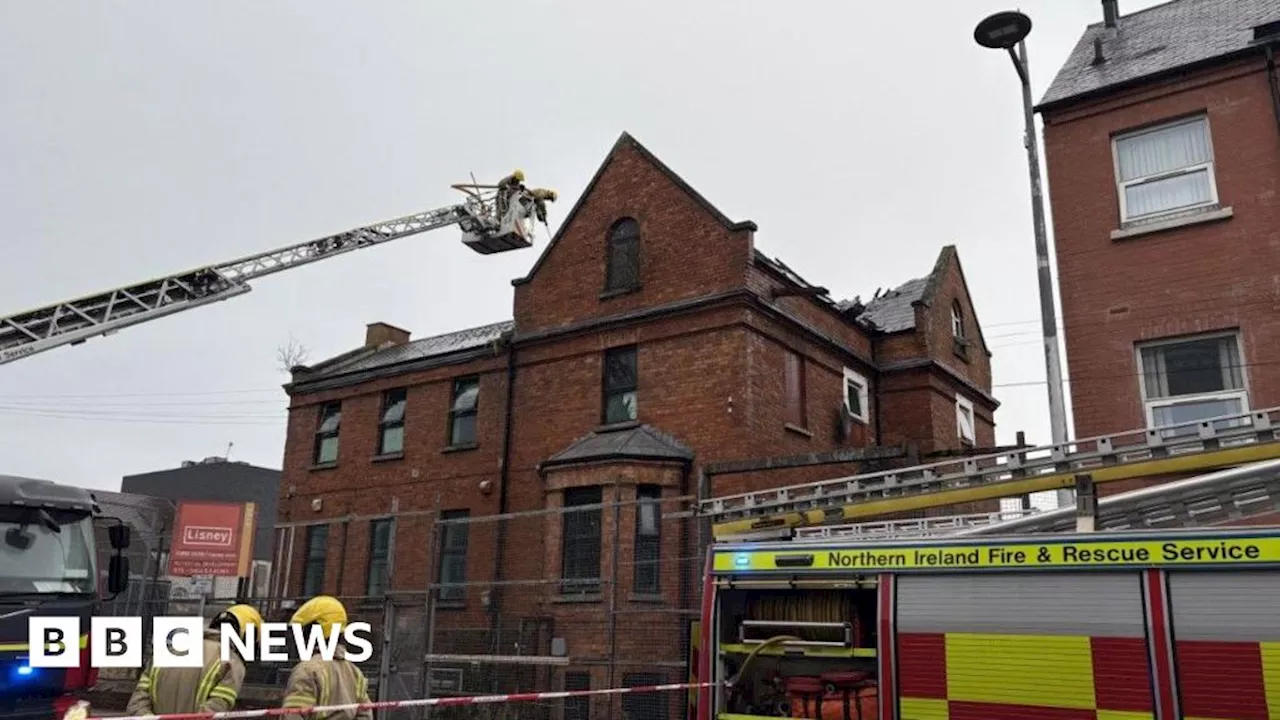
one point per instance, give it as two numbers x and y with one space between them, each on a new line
1104 626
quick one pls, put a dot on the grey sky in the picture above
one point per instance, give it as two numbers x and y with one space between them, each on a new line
143 138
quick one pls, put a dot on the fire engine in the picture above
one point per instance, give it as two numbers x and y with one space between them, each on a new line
1151 609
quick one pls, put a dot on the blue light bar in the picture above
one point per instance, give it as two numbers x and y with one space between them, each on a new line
25 670
742 560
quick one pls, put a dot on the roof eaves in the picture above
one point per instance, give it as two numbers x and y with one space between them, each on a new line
341 380
1059 103
626 140
931 364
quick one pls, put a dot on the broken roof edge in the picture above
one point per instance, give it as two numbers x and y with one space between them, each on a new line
623 141
337 371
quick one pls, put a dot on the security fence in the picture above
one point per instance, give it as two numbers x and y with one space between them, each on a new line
599 591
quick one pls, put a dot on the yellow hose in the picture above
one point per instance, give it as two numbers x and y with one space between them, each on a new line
746 662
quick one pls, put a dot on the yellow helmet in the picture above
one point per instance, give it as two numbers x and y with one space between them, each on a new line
245 617
518 175
323 610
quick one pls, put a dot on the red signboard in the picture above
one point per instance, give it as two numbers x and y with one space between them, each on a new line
212 539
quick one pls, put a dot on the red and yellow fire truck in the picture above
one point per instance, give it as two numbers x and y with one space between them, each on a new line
1139 620
1097 626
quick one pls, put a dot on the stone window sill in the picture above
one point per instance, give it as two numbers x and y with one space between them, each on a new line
324 466
1156 226
451 605
460 448
579 598
607 294
388 457
647 598
789 427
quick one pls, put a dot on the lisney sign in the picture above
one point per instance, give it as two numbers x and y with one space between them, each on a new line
213 539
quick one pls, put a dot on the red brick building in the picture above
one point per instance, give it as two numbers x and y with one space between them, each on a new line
649 339
1163 155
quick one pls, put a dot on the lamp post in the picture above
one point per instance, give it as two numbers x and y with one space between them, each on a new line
1005 31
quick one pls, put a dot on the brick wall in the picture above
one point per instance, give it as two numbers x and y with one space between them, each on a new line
710 375
685 251
1194 279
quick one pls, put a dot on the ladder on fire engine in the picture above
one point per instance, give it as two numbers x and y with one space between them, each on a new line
1188 448
493 218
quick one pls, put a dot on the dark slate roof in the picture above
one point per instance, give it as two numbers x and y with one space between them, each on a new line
440 345
624 442
1157 40
894 311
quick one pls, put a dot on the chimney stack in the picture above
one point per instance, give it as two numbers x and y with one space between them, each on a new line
381 334
1110 12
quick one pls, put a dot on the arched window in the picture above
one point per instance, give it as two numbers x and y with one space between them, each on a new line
957 320
622 267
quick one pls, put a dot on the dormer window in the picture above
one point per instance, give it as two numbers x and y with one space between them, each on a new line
622 264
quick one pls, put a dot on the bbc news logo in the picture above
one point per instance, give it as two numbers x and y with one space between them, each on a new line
178 641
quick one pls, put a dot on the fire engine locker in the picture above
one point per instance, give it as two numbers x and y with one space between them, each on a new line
1003 645
1226 630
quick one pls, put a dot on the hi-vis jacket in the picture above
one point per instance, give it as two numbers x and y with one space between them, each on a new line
327 682
211 688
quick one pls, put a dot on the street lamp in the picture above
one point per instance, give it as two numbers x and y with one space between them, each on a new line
1004 31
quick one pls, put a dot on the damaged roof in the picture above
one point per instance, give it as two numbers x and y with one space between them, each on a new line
1158 40
428 348
895 311
623 442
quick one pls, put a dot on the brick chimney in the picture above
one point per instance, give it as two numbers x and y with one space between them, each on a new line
381 334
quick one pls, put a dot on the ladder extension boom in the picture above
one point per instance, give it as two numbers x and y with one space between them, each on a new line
1190 447
491 221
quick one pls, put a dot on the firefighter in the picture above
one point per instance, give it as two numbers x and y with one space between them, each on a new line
213 687
508 188
326 682
540 199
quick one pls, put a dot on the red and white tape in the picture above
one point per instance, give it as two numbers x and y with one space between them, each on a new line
82 714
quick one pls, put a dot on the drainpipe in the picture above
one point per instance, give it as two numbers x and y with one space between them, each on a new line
876 363
1273 83
685 638
504 473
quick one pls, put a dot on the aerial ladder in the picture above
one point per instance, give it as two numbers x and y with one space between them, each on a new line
493 219
1240 447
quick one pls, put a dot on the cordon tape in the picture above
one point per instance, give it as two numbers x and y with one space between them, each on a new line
81 711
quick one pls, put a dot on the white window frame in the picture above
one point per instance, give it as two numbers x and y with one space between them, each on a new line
964 406
864 394
957 321
1122 185
1149 406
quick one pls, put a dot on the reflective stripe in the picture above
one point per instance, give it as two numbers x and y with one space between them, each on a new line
300 700
224 691
1271 675
1051 670
923 709
210 678
1124 715
151 686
